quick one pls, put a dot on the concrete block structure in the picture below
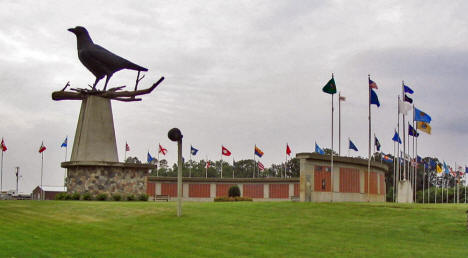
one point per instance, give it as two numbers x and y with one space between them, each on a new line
348 182
206 189
94 166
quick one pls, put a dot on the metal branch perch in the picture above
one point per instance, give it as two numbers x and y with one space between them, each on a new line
114 93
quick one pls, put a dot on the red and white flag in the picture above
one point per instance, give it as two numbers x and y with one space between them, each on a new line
288 150
225 151
4 148
260 166
162 150
42 148
127 148
208 164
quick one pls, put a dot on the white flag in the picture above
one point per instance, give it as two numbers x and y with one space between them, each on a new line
403 107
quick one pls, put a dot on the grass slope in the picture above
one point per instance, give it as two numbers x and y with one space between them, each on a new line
268 229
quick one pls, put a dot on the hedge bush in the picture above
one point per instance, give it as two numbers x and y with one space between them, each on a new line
67 196
75 196
86 197
116 197
143 197
131 197
234 191
101 197
232 199
60 196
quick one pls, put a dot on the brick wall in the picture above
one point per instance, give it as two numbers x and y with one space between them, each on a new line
169 189
279 191
199 190
151 189
349 180
222 189
322 179
373 182
253 190
382 185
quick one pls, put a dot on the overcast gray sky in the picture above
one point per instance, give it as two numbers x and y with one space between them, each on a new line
238 73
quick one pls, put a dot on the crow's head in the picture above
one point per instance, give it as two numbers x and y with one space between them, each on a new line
78 31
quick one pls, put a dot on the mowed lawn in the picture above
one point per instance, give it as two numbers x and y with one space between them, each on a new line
266 229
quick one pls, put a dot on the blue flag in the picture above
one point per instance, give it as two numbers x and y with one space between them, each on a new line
352 146
408 89
193 150
149 158
373 98
446 170
432 163
376 143
65 142
408 99
419 115
318 149
418 159
466 170
412 131
396 138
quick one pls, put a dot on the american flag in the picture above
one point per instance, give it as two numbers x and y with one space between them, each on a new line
260 166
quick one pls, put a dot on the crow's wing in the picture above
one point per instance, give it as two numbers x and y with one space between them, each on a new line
111 61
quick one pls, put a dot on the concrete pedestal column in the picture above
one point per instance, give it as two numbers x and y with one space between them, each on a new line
95 134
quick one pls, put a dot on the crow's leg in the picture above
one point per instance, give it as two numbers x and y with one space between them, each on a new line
95 83
107 80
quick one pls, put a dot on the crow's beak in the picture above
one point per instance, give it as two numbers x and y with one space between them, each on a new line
71 30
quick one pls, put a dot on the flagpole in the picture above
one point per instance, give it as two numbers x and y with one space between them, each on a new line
221 161
66 154
394 171
368 162
233 166
1 173
339 123
190 170
42 168
255 164
331 172
159 162
206 167
286 163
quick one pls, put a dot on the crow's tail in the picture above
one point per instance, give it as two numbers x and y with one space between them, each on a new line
135 67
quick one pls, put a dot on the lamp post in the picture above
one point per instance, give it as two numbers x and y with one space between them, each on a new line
176 136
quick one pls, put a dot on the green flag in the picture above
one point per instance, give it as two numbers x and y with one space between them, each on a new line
330 87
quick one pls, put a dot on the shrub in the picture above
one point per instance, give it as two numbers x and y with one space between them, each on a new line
143 197
67 196
234 191
116 197
131 197
232 199
60 196
75 196
87 197
101 197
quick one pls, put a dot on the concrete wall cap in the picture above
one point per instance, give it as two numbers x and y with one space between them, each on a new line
70 164
224 180
342 160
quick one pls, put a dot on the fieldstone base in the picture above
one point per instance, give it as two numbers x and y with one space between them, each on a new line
97 177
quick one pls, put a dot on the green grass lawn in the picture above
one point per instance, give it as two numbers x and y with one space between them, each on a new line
267 229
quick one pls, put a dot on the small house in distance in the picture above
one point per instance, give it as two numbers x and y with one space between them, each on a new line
47 192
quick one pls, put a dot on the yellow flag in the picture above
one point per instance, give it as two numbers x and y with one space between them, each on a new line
439 169
423 126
